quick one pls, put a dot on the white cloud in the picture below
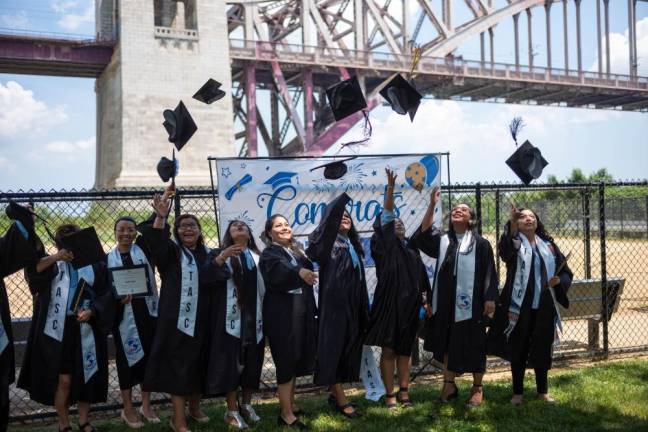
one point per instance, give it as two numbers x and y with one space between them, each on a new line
70 147
4 162
73 21
18 20
476 135
62 6
21 113
620 52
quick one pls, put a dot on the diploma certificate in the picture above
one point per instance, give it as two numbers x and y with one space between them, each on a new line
133 280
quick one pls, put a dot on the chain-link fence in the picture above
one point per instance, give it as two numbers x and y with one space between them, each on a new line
603 228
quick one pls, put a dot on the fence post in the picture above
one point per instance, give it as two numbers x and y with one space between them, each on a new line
478 207
604 296
647 216
497 231
177 205
587 239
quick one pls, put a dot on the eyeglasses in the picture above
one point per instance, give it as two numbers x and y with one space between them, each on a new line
185 227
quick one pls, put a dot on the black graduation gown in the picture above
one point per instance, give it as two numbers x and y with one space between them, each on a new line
230 364
16 252
177 362
463 341
130 376
402 283
343 301
44 355
289 320
539 336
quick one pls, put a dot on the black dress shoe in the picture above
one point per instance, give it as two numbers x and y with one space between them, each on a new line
294 425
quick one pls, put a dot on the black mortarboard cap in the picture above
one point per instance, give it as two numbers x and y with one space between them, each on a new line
527 162
336 169
179 125
402 96
209 92
85 246
167 168
346 98
17 212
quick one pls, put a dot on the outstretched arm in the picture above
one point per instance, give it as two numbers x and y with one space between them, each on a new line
428 218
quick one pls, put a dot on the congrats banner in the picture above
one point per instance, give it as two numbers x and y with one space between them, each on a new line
252 190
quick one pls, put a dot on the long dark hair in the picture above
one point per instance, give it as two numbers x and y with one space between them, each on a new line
472 223
294 246
237 270
229 241
540 228
354 237
176 225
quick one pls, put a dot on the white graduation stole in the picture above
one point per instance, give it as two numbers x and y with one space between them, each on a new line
188 292
232 312
465 275
522 274
370 374
4 338
89 352
130 339
56 310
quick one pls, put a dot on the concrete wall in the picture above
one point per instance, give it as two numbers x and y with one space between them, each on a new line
152 72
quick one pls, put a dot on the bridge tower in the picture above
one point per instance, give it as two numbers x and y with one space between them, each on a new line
165 50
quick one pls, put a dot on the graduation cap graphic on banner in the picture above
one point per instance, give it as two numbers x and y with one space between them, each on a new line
279 179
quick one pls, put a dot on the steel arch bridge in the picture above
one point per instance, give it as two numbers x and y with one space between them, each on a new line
296 48
285 53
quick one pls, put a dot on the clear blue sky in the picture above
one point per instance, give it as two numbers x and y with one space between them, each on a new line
47 124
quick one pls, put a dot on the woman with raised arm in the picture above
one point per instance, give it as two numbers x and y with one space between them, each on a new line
527 318
18 248
343 302
463 296
189 271
134 324
66 358
237 342
400 292
289 313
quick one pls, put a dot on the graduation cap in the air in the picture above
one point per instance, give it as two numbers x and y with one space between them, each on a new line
402 96
19 213
85 246
280 178
346 98
336 169
179 125
167 168
527 162
209 92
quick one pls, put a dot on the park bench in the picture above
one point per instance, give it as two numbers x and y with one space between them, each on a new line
586 302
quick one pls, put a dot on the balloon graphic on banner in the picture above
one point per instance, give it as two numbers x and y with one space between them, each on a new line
415 175
422 173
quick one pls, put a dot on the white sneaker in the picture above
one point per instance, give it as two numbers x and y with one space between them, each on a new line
250 413
240 423
133 425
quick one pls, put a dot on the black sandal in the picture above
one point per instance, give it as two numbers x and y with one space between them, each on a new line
332 400
390 406
297 424
451 396
82 427
407 403
353 414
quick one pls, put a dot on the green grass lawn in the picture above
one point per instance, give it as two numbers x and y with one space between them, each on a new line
605 397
